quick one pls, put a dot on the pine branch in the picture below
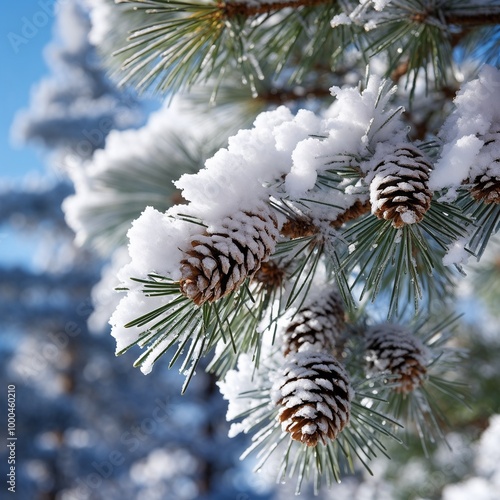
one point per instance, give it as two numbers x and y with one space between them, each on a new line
488 17
418 35
117 189
279 96
187 42
232 9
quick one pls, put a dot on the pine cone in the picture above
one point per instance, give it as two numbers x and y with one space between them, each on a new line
317 327
357 209
299 227
486 187
399 190
221 260
315 397
392 348
270 275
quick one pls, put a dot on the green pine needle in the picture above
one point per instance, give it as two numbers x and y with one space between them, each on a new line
404 264
485 222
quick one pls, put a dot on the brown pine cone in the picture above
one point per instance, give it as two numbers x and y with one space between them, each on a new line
357 209
314 397
270 275
299 227
399 190
486 187
318 327
393 349
219 261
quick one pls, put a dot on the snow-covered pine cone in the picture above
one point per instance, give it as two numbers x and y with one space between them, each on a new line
221 259
318 326
314 396
486 187
399 190
393 349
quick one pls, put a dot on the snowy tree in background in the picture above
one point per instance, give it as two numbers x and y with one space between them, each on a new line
94 428
73 110
312 259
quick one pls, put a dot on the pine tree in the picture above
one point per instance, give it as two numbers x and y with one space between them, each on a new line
367 170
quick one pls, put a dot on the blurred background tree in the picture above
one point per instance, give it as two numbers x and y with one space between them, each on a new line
90 428
95 428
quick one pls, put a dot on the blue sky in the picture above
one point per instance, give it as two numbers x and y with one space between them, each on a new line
25 29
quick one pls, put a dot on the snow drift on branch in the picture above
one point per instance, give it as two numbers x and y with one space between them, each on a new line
135 169
477 113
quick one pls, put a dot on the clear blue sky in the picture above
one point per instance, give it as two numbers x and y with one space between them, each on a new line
25 29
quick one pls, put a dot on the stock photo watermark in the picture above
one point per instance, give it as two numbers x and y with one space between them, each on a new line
11 438
29 26
131 438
